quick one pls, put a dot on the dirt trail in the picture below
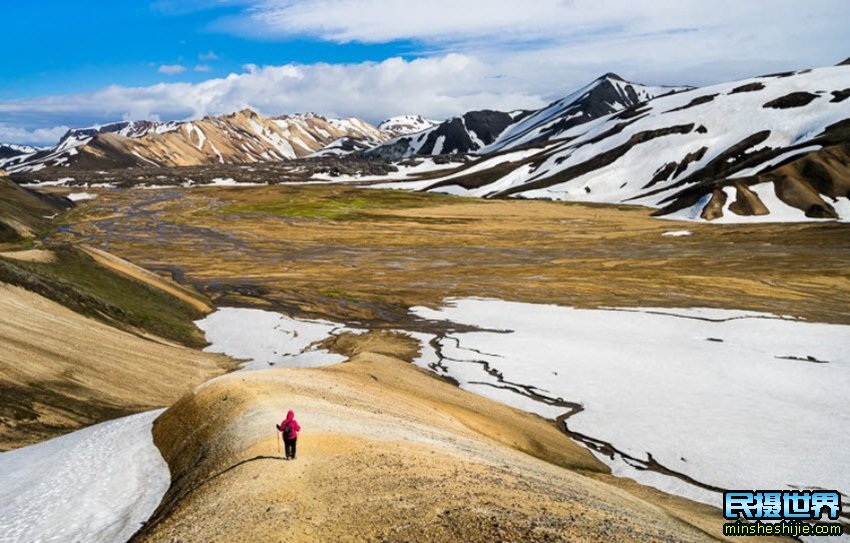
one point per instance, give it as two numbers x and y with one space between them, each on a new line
60 371
389 453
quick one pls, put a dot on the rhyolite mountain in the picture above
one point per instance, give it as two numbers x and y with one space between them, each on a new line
241 137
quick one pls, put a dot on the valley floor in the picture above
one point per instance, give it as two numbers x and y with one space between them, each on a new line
367 255
389 452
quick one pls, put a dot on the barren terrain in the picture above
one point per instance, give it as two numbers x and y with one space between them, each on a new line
60 371
367 255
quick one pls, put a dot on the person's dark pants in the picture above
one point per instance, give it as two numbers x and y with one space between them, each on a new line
289 445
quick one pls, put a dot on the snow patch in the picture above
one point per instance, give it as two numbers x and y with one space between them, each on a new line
733 399
98 484
81 196
265 338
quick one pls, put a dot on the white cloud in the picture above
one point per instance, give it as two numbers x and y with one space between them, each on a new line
497 54
437 87
707 41
507 21
171 69
202 68
37 137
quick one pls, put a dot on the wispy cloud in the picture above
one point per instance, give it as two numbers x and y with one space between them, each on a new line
202 68
209 56
672 40
506 21
171 69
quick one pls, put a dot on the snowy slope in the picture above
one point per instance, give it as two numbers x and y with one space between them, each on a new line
11 154
732 399
484 132
8 150
98 484
404 125
607 94
677 149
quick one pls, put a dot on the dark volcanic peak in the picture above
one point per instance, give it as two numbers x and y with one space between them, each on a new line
846 62
612 75
9 150
490 131
607 94
458 135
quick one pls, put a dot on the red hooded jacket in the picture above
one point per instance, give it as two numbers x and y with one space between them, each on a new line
290 419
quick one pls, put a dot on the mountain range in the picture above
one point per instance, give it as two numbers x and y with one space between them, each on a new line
773 147
241 137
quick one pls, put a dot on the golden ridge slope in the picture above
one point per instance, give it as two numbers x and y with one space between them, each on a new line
241 137
132 271
60 371
390 453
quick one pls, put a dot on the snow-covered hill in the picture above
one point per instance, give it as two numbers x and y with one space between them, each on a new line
8 150
774 147
241 137
403 125
605 95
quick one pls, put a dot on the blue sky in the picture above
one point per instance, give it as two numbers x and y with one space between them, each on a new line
80 63
70 47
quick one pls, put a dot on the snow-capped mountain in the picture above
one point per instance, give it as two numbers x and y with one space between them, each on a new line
484 132
776 147
8 150
605 95
11 154
403 125
466 133
129 129
241 137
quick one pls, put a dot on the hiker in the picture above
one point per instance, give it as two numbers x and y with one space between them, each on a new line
289 428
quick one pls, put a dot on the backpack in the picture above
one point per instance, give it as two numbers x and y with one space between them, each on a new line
287 431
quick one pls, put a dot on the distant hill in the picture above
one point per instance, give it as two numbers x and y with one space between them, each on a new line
241 137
